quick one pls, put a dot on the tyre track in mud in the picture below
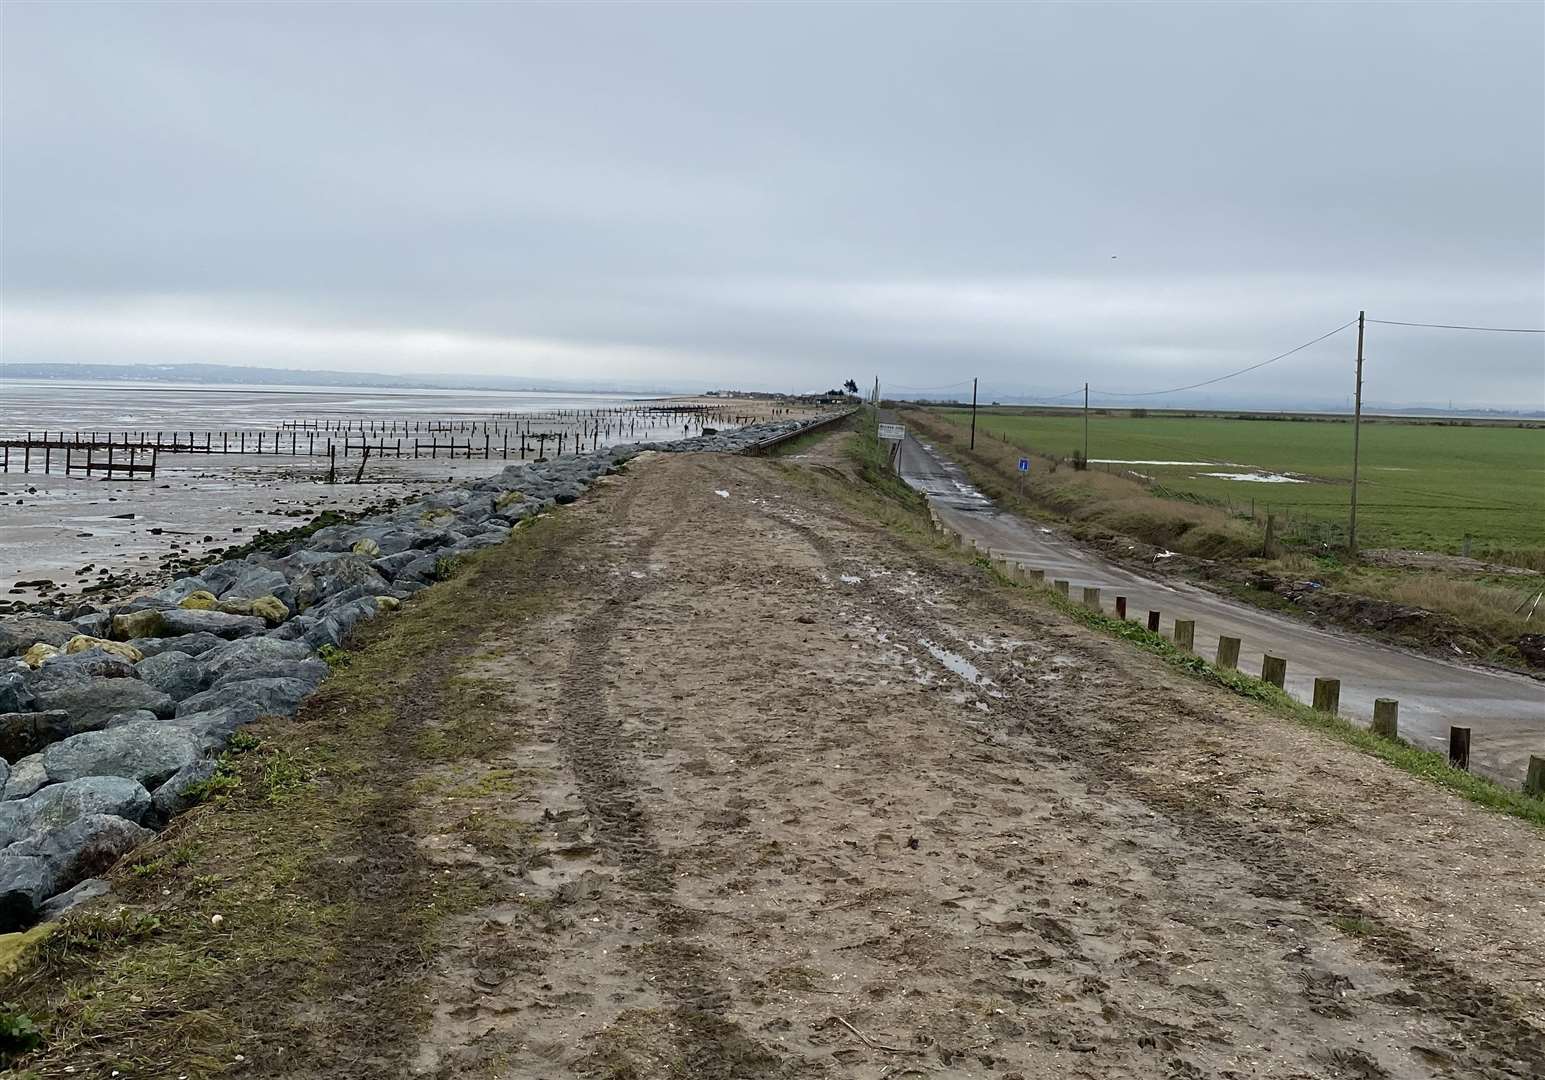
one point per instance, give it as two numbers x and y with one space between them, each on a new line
1500 1042
597 752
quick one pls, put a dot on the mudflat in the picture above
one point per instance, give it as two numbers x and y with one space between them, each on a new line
728 771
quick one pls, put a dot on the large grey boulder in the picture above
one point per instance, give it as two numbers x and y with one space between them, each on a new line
65 669
213 728
255 581
51 863
15 696
171 798
218 623
271 697
322 582
310 671
238 656
390 566
421 569
148 752
73 897
96 624
334 627
181 589
176 674
219 576
192 644
26 733
27 776
91 702
17 635
56 805
26 882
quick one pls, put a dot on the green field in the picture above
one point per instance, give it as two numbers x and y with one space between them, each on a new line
1421 486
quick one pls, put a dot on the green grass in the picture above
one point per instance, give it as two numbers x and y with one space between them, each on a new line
1421 486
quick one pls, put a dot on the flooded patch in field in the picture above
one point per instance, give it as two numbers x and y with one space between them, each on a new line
1258 477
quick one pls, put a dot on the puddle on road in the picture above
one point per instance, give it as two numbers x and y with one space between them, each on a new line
957 663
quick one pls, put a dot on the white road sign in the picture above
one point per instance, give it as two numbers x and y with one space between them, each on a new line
893 431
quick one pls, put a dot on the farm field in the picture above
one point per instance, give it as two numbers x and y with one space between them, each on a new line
1422 486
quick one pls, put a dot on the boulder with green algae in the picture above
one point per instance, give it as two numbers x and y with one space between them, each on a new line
139 624
270 609
199 600
367 547
35 656
431 518
82 642
388 603
505 500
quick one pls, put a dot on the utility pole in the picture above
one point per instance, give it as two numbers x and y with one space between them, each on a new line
1086 425
1357 424
973 414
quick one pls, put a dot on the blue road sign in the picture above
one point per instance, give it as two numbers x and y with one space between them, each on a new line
1024 464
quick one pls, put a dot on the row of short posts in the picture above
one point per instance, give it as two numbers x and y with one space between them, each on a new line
1327 691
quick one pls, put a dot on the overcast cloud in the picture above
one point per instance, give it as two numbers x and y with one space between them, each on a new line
784 196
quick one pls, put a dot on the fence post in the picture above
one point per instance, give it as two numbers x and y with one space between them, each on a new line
1228 652
1185 634
1459 748
1153 621
1121 607
1274 670
1327 695
1386 717
1534 780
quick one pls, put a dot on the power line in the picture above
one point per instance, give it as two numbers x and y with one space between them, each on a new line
1230 375
1451 326
925 389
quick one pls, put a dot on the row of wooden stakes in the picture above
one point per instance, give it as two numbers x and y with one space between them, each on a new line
1327 691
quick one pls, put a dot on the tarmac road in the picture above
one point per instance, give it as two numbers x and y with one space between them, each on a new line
1505 713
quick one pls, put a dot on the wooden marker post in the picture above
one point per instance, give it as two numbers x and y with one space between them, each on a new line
1228 653
1034 577
1153 622
1185 634
1386 717
1121 607
1459 748
1060 586
1091 598
1327 695
1274 670
1534 781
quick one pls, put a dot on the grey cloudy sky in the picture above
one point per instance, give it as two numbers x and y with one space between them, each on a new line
784 196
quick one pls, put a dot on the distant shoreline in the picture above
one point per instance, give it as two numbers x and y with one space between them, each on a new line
222 375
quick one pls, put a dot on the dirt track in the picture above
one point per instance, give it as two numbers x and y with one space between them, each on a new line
708 786
769 834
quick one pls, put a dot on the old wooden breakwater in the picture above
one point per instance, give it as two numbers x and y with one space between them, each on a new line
521 436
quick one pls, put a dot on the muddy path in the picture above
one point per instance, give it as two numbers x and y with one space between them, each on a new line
801 803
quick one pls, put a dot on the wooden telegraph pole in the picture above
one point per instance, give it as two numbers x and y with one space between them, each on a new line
1086 425
973 414
1357 423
